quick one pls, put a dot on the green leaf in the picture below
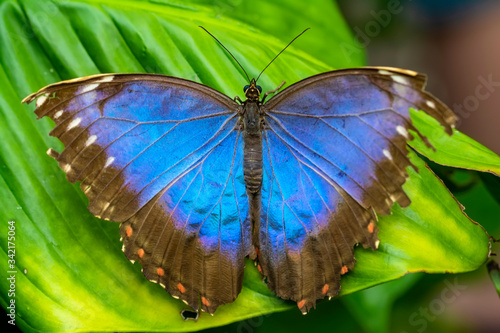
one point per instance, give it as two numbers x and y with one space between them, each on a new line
457 150
482 206
431 235
76 277
494 272
286 18
372 307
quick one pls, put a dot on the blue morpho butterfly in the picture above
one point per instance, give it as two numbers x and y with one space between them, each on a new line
198 181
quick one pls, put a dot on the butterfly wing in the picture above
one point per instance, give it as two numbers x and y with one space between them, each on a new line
163 157
334 154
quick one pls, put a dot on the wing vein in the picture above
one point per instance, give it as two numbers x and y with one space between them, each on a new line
162 173
333 182
366 154
319 155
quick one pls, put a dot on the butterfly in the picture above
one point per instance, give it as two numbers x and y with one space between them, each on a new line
198 181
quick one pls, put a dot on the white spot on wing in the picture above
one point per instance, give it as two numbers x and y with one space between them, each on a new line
74 123
377 243
90 140
401 130
106 205
52 153
109 161
431 104
393 198
399 79
89 87
58 114
42 99
384 72
67 168
106 79
387 154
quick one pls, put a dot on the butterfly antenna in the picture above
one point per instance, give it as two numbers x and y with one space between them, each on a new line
281 52
225 48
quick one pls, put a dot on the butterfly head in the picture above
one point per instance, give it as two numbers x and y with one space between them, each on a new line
252 91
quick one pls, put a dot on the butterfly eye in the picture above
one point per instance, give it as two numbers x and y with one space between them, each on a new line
260 89
245 88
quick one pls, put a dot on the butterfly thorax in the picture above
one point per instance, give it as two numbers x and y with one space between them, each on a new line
252 139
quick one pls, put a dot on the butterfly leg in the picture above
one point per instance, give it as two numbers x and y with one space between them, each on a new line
273 91
237 99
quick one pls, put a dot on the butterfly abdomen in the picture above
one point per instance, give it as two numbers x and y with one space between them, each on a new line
252 148
252 162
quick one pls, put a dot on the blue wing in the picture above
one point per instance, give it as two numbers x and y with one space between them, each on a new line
334 154
163 157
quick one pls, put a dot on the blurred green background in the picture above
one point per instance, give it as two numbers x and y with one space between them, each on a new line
454 42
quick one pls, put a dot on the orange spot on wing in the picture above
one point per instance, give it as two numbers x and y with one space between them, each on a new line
160 271
204 301
140 252
181 288
259 268
344 270
325 289
257 251
371 227
301 304
129 231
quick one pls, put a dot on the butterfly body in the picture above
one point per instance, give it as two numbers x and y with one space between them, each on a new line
253 121
198 182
